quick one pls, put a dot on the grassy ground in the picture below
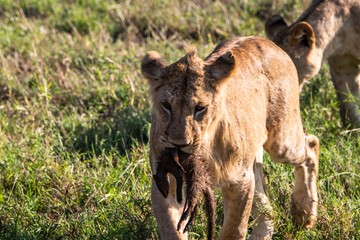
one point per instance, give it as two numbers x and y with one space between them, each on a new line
74 118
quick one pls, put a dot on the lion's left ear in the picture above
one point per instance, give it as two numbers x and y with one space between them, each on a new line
301 38
221 68
274 26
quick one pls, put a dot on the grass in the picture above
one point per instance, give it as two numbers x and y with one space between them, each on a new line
74 118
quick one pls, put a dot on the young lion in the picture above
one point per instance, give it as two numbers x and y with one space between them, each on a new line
327 30
243 98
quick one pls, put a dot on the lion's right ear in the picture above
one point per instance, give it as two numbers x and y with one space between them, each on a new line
302 34
152 66
221 69
274 25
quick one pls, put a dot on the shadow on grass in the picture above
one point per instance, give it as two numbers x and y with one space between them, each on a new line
131 220
119 125
135 222
11 232
119 131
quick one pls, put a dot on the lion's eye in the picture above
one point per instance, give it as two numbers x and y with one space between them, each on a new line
199 110
166 106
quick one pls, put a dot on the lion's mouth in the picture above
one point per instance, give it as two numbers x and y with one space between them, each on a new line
187 149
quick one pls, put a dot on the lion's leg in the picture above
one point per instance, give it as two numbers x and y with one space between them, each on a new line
238 198
261 209
293 147
345 75
304 198
167 211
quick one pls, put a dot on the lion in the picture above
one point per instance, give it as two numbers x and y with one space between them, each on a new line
327 30
241 99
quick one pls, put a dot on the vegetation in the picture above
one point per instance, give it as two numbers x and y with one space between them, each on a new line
74 118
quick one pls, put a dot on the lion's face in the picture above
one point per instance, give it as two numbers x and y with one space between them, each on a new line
183 108
184 100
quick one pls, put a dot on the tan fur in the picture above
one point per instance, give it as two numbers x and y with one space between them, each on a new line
242 98
328 30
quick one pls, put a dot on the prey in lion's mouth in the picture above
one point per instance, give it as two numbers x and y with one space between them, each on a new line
198 182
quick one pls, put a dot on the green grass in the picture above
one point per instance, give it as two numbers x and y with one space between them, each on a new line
74 118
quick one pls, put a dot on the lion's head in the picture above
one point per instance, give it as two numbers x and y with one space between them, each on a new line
299 41
185 97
